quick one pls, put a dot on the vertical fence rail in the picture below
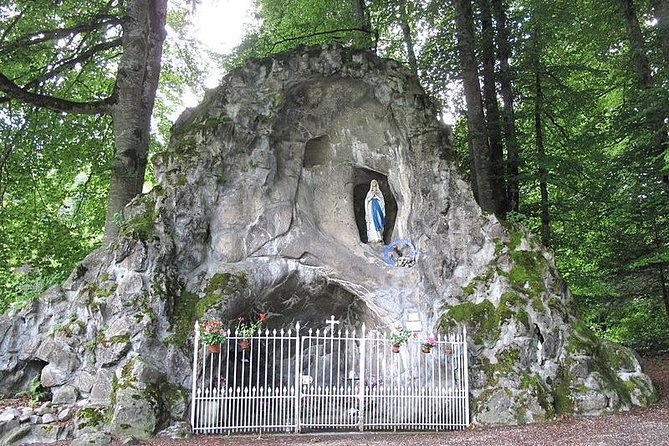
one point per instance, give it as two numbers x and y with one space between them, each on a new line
329 379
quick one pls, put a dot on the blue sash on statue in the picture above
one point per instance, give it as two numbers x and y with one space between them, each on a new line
377 214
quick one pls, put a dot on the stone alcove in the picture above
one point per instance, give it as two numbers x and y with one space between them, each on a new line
310 300
361 180
316 151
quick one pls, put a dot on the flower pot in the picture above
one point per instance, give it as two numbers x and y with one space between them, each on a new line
244 344
215 348
427 349
396 349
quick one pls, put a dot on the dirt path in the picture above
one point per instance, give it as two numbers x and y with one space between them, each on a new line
637 427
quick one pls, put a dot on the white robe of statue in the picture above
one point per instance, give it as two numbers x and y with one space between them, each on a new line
375 213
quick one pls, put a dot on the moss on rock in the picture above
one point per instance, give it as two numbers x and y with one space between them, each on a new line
562 392
190 307
482 316
92 417
140 225
528 271
506 360
535 386
511 306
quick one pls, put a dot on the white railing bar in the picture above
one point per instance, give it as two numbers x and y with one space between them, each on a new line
298 378
361 381
194 377
465 368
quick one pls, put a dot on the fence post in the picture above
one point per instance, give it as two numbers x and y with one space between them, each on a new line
194 380
466 372
298 377
361 391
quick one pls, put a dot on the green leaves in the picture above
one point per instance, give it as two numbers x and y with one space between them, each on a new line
287 24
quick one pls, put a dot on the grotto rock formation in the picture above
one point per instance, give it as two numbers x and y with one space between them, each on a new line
259 204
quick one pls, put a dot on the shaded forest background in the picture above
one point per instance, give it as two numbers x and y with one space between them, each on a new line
561 113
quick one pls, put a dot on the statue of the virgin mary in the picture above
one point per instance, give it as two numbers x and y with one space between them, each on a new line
375 213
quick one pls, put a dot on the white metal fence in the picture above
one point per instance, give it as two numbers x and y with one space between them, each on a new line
329 379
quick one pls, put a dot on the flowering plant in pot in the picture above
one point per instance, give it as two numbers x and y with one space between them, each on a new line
429 344
246 329
213 334
399 338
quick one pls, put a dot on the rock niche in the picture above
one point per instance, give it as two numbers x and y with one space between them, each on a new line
260 203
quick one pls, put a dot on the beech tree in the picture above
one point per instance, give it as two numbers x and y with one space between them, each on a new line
50 50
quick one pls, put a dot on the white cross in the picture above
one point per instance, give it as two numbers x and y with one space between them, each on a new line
332 322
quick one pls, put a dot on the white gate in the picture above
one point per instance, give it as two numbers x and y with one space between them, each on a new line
329 380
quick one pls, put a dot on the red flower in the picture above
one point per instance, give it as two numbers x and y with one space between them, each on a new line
262 316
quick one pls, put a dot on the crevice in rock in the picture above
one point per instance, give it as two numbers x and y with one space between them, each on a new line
316 151
361 180
27 379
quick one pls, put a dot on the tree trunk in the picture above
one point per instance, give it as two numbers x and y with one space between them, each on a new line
661 13
655 120
479 149
539 141
508 115
362 21
543 172
661 271
637 46
665 292
493 122
136 85
408 40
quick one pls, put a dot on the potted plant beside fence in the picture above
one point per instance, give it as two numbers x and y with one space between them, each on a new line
428 344
213 335
246 330
399 338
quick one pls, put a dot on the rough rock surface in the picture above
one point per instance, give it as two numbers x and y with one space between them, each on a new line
258 205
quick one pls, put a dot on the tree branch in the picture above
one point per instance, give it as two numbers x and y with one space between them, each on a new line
54 103
11 26
82 57
44 36
314 34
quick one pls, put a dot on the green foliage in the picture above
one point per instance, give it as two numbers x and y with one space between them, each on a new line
35 391
639 323
562 392
400 337
92 417
605 159
19 288
293 23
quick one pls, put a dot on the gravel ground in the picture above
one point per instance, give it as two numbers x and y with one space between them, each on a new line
637 427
